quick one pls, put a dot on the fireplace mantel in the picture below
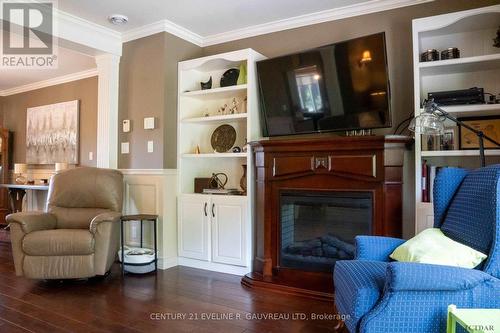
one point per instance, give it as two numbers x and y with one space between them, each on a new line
370 164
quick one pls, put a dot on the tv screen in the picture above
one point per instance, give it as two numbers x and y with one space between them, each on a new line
338 87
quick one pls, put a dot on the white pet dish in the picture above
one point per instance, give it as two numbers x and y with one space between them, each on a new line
137 255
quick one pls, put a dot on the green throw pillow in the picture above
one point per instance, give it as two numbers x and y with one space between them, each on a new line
431 246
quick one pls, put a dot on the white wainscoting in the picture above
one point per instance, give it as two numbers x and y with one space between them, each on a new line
153 192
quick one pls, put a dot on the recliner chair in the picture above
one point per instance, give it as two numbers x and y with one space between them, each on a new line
78 235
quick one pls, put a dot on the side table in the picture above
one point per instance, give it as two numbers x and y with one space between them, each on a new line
142 218
473 320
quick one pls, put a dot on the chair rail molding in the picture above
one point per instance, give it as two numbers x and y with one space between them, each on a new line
108 67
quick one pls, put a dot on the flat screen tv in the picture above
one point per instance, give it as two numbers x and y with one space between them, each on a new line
338 87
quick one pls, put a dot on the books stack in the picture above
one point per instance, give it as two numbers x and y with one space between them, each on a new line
429 173
228 191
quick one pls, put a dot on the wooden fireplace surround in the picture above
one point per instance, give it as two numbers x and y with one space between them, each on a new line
368 163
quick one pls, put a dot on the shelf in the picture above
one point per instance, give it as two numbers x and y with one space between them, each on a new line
218 195
459 153
472 110
460 65
229 117
224 92
215 155
425 205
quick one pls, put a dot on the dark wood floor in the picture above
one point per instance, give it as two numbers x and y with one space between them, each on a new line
136 304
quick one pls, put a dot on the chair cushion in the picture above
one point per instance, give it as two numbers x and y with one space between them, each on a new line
472 214
358 287
58 242
431 246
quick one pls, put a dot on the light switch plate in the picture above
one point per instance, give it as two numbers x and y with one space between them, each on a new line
126 125
91 156
150 146
149 123
125 147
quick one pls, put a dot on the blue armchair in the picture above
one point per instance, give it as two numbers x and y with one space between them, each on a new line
380 295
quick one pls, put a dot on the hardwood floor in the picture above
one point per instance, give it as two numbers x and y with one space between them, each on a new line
151 304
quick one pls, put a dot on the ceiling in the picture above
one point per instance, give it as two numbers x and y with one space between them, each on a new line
199 21
201 17
69 62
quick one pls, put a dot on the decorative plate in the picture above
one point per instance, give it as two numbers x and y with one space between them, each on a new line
223 138
230 77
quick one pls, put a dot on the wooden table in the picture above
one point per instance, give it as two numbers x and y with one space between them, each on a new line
18 191
473 320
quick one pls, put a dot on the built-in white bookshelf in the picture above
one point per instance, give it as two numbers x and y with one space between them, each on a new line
472 32
214 232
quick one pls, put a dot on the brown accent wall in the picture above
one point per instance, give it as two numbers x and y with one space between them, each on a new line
176 50
142 86
148 88
397 25
13 111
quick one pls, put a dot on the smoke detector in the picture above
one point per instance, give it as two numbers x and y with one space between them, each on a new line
117 19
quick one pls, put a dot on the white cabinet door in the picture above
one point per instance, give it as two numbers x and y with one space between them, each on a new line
194 229
229 222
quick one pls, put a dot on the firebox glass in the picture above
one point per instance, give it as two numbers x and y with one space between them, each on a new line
318 228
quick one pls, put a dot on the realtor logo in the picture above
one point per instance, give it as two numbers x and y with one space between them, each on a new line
28 35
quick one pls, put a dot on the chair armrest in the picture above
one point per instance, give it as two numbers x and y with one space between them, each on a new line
104 217
32 221
426 277
375 247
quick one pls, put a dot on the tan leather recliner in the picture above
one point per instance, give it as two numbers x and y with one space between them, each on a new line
78 235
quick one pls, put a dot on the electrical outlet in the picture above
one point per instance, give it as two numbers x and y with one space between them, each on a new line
125 147
149 123
91 156
150 147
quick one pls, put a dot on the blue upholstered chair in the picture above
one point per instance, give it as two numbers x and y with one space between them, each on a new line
380 295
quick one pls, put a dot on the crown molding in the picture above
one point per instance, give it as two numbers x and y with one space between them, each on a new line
163 26
94 38
334 14
50 82
90 34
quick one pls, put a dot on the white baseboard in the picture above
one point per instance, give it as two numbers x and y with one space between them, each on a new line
166 263
212 266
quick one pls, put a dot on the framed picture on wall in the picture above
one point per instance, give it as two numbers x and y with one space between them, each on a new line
52 133
490 126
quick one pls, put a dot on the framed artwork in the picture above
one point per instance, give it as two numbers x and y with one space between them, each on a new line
52 133
490 126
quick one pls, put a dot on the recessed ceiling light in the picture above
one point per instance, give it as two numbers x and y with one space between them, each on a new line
117 19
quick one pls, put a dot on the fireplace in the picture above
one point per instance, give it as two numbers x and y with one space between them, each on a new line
318 228
313 196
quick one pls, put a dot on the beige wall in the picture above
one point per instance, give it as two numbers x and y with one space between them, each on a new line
176 50
397 25
148 71
148 88
14 107
142 86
